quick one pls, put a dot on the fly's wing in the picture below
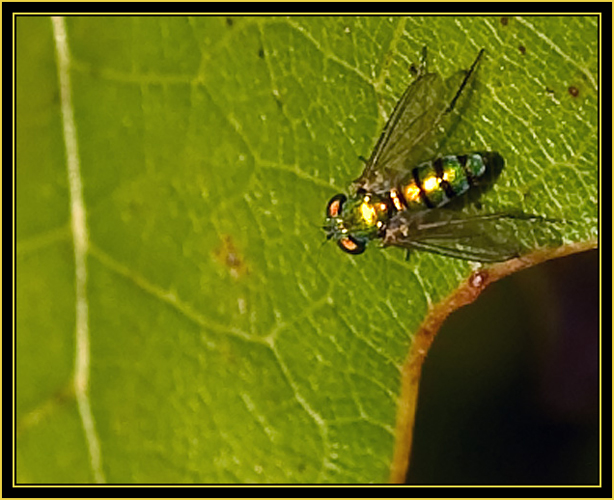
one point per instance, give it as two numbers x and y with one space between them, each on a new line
481 238
412 117
413 126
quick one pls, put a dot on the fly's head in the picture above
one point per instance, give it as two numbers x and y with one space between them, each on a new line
352 222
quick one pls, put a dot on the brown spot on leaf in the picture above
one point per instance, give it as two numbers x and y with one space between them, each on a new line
504 21
573 91
48 408
228 255
522 49
479 279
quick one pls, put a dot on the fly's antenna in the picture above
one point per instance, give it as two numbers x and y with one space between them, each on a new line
328 237
320 250
317 266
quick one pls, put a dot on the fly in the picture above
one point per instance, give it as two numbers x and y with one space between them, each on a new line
398 199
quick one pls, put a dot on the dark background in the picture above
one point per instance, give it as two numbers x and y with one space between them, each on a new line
510 388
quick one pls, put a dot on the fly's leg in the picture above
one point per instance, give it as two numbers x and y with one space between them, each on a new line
422 69
464 82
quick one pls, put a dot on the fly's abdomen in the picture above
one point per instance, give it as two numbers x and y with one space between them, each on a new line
436 182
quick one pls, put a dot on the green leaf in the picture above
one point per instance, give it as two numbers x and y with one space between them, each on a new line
226 342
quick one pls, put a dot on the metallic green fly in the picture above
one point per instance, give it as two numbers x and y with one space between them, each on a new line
398 199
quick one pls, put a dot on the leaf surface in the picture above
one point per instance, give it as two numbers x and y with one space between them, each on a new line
227 344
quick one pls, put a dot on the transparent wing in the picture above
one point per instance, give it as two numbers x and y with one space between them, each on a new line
413 126
483 238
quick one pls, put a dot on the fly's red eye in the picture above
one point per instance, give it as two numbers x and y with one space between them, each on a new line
333 209
351 245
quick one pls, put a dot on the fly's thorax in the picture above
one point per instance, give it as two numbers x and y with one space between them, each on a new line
354 221
365 214
434 183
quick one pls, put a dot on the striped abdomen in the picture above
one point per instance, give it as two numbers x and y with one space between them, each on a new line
436 182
